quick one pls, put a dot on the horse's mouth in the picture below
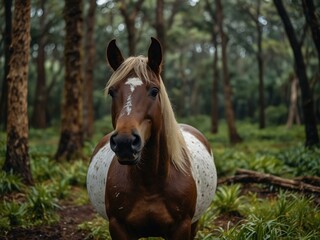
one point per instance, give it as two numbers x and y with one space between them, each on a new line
129 160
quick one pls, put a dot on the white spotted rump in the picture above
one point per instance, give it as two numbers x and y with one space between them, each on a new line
203 171
97 178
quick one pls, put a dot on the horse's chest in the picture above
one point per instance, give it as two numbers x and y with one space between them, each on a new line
203 172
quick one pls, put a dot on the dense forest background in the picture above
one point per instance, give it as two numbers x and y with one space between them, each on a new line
189 55
245 73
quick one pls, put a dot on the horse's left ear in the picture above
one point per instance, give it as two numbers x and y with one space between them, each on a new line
114 55
155 56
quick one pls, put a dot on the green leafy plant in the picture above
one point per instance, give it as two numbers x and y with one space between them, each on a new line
44 169
97 228
9 183
228 199
12 214
76 173
42 204
302 161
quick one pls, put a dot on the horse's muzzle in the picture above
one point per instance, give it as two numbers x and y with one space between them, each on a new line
127 147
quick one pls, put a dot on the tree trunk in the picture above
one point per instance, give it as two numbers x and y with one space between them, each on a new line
160 29
293 109
311 18
215 75
88 112
311 131
130 20
261 70
17 156
233 134
38 119
71 138
7 53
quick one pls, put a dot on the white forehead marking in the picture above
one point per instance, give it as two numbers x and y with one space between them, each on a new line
133 83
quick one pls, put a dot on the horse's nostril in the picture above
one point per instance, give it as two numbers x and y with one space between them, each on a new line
113 143
136 143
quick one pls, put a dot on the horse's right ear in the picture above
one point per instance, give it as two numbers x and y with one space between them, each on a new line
114 55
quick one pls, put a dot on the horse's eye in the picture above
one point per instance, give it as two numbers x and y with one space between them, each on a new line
111 92
153 92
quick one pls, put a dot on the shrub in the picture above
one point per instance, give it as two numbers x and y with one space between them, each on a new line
303 161
97 228
228 199
42 204
276 115
9 183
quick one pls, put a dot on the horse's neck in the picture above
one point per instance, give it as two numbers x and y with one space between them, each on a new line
155 159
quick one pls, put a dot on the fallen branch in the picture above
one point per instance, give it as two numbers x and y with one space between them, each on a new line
302 184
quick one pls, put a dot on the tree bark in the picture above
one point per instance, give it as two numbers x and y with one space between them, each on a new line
71 138
90 50
293 115
38 119
160 28
312 138
17 156
261 69
130 20
215 75
311 18
7 53
233 134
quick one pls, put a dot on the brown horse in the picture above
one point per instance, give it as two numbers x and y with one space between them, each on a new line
150 176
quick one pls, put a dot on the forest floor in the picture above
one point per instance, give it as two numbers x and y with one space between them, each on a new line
72 215
67 227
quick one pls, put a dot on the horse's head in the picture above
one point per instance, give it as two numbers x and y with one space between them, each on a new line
136 111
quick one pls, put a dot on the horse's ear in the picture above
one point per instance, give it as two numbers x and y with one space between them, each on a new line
155 56
114 55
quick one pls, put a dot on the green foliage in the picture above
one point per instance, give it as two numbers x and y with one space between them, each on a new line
12 214
9 183
43 168
302 161
276 115
291 216
42 204
228 199
97 228
75 173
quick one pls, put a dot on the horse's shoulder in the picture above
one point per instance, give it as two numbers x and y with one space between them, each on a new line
196 133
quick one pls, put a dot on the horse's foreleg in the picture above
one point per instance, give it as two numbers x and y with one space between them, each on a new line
117 231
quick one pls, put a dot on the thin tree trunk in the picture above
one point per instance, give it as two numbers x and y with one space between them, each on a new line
130 20
7 53
71 138
38 119
233 134
215 79
311 18
88 111
160 29
17 156
311 131
261 69
293 109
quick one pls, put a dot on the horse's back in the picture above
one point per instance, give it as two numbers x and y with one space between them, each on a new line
202 166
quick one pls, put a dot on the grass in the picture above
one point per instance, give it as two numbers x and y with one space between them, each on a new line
274 150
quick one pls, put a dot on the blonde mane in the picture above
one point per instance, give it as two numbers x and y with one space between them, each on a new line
176 145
